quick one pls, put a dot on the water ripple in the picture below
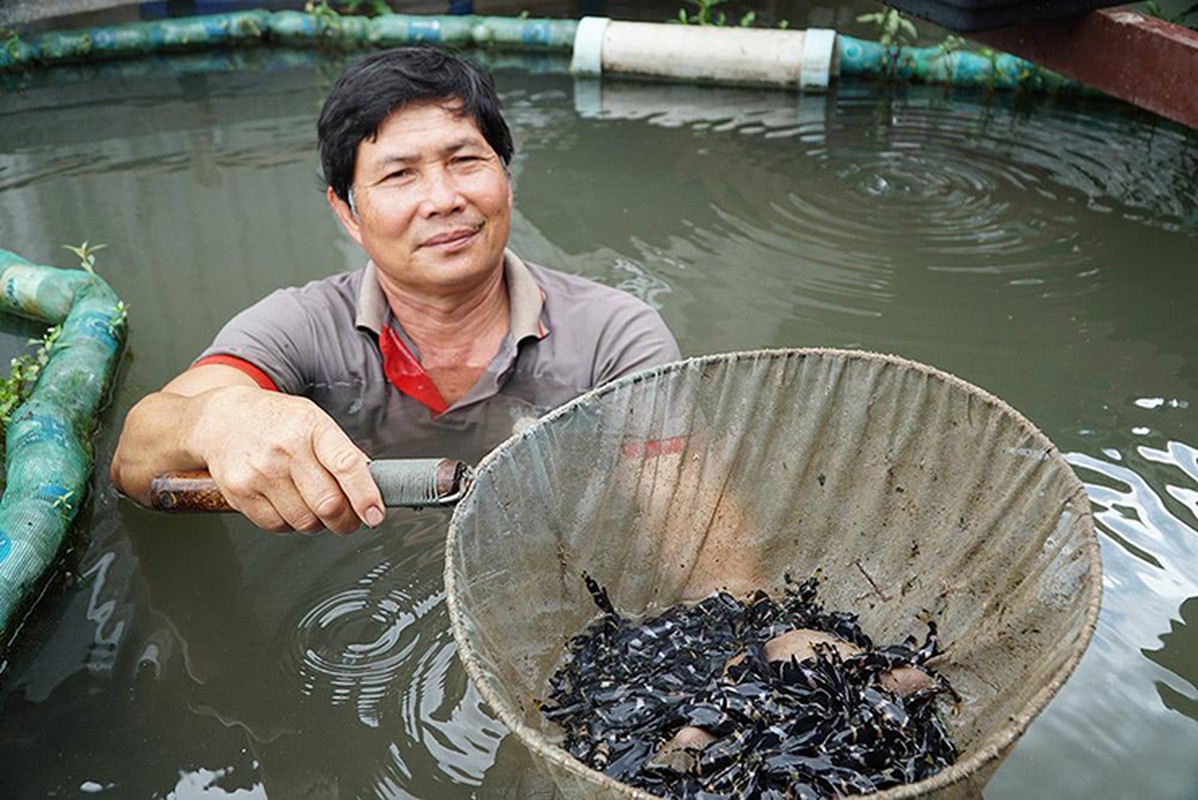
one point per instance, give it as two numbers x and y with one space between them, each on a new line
963 187
382 647
1144 666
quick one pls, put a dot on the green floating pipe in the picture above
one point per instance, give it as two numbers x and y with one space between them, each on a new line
399 29
938 65
284 27
858 57
48 440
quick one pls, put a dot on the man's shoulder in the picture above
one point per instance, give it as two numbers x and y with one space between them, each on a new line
568 291
607 331
310 311
337 289
331 300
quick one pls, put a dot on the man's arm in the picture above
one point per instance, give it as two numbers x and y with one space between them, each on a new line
278 459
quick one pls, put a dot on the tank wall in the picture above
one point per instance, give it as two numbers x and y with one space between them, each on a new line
19 12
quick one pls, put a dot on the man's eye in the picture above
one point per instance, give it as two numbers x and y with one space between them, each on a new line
464 160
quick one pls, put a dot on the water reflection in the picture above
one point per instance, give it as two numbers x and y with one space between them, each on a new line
1178 653
342 674
332 657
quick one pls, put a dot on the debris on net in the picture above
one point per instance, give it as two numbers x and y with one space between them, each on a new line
763 698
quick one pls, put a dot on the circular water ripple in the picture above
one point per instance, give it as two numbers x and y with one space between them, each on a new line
382 649
955 190
352 645
947 201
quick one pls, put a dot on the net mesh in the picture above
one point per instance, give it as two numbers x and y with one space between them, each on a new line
908 488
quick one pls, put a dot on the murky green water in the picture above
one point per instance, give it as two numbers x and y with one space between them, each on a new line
1046 252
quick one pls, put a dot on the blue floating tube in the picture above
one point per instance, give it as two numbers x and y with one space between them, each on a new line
808 60
48 439
284 27
938 65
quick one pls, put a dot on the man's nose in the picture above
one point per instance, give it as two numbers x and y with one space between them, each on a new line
442 194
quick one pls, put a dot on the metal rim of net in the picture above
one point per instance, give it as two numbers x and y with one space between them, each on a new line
981 754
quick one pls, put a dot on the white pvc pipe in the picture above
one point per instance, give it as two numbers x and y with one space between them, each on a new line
753 56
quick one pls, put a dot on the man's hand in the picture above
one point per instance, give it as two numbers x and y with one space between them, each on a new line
284 463
278 459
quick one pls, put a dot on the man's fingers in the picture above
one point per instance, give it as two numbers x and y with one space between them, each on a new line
348 467
268 497
293 506
260 511
286 465
323 497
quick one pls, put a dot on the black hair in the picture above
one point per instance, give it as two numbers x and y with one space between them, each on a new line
373 88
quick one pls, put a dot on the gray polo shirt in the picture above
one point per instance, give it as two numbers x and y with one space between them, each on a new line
328 340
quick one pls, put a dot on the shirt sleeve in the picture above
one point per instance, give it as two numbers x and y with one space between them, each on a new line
274 335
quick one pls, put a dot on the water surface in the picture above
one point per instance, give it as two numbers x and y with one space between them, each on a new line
1045 251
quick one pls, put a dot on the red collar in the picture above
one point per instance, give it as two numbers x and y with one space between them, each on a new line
405 373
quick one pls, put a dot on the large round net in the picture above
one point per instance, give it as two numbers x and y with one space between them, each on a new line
912 491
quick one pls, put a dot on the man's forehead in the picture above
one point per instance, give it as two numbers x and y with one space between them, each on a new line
451 106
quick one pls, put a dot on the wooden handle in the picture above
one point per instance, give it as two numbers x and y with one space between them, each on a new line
194 490
189 490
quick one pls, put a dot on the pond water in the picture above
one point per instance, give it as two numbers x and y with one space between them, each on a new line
1046 251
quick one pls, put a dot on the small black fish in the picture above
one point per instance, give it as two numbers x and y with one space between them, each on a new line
823 726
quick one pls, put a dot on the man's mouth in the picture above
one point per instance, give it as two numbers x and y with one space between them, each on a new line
452 237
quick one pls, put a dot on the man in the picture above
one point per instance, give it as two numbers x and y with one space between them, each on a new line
444 319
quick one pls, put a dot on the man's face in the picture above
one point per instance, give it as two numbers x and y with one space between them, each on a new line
433 201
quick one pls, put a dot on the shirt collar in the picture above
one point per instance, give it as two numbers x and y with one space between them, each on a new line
525 298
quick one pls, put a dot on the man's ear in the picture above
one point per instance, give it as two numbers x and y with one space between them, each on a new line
349 220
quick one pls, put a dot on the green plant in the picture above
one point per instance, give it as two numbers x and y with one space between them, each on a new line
705 14
371 8
1153 9
10 40
87 258
322 11
990 55
946 48
120 312
64 503
894 30
951 44
331 12
23 372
